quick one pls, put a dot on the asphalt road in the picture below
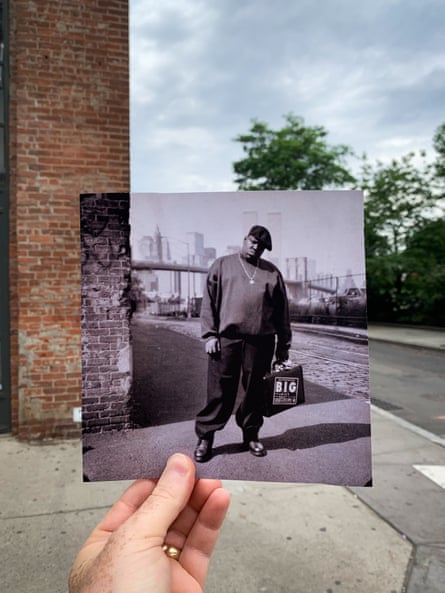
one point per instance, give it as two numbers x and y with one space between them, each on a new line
166 386
410 383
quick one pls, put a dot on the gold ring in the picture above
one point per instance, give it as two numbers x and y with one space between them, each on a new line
171 551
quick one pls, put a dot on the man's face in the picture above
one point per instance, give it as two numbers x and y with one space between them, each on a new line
252 248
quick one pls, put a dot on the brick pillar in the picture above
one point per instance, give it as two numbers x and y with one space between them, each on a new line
106 282
69 134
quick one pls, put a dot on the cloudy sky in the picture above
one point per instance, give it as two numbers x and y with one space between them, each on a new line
371 72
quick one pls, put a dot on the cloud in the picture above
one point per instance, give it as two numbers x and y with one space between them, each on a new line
372 73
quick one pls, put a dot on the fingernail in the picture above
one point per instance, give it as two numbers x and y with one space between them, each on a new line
179 464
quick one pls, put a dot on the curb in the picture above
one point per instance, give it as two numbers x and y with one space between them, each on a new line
353 334
396 342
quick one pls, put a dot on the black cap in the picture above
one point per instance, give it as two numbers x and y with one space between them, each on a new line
262 235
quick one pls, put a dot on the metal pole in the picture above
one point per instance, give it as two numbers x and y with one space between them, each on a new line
189 314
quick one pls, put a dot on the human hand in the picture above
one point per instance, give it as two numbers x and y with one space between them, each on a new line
124 552
282 354
212 346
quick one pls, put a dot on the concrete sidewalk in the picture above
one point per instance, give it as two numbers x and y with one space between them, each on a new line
408 492
420 337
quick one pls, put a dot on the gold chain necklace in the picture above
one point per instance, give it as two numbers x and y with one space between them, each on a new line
251 278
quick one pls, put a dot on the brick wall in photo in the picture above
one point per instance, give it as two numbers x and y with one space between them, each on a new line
69 134
106 277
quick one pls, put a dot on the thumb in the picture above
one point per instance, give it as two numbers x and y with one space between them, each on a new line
169 497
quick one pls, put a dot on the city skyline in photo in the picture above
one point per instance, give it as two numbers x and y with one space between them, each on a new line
324 227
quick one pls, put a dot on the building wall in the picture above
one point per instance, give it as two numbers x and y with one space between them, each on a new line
105 307
69 134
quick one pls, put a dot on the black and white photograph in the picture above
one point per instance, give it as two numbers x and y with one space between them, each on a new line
230 326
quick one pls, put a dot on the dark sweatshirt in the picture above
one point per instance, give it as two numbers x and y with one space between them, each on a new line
234 307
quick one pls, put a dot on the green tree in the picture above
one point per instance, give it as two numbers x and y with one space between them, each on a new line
398 196
294 157
384 283
423 294
401 205
439 146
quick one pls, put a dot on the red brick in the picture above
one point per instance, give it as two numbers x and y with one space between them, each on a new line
67 76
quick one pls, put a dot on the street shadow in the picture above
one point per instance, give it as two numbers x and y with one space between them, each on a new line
305 437
317 394
308 437
229 449
169 375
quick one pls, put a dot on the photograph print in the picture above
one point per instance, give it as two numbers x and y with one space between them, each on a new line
230 327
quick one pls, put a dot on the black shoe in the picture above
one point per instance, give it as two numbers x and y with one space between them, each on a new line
256 448
203 451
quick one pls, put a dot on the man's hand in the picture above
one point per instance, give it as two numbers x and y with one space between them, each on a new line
212 346
281 358
282 354
124 554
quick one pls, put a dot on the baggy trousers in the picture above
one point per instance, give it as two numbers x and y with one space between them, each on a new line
250 357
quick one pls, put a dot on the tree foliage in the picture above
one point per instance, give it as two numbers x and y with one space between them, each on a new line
439 146
423 295
294 157
398 197
403 233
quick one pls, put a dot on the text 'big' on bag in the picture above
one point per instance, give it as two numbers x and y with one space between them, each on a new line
283 389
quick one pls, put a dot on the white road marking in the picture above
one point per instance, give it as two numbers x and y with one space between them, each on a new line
436 473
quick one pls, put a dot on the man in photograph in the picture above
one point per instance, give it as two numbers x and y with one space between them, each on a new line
244 320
